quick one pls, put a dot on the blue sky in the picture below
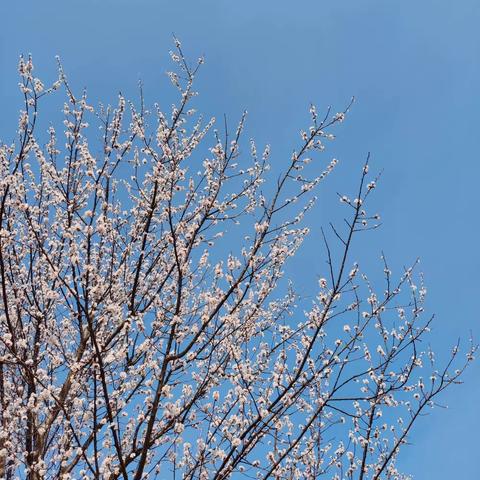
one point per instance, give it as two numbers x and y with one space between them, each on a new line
414 68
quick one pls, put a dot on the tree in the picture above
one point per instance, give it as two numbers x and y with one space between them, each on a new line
136 343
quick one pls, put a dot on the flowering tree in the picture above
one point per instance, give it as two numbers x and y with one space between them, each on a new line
136 342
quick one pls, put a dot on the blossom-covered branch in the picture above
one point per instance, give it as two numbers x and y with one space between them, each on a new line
145 327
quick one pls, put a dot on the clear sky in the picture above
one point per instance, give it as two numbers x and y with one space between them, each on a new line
413 66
